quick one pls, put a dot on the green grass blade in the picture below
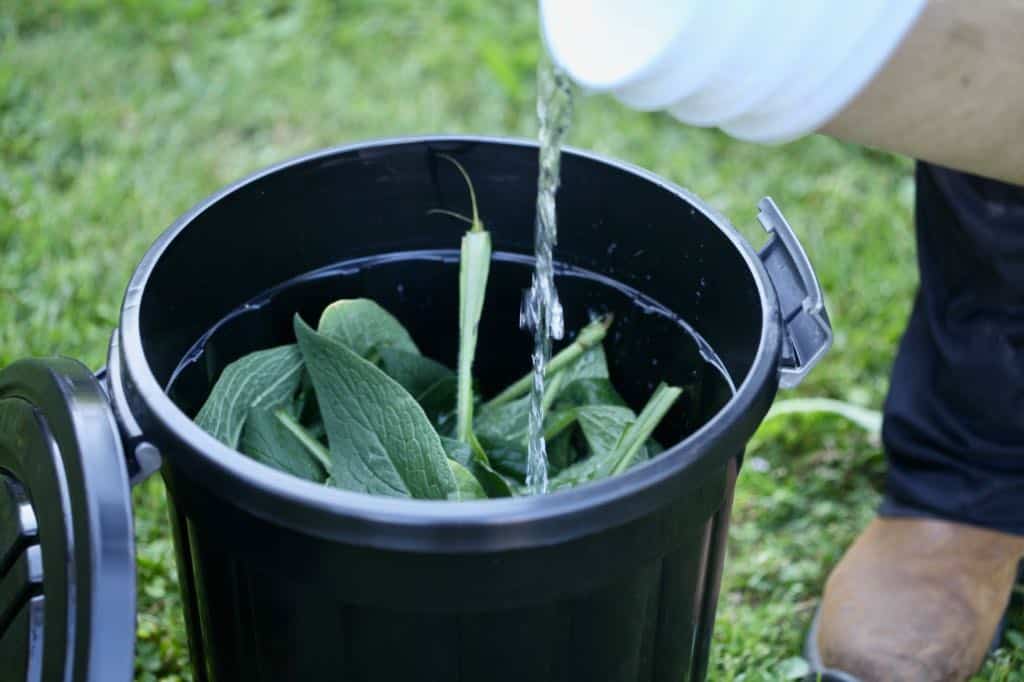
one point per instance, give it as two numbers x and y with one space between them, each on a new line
867 419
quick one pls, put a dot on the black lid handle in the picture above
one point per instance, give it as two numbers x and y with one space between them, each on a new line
807 329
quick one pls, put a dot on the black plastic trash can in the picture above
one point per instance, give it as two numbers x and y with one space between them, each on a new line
283 579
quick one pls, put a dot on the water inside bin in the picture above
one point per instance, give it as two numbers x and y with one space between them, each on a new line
647 343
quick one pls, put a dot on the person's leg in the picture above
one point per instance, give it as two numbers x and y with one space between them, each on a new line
919 595
954 418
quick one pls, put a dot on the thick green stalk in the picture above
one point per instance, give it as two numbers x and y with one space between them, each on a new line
637 433
551 392
476 259
616 460
474 267
589 336
559 423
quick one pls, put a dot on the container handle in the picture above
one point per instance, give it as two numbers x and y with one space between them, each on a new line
141 457
806 327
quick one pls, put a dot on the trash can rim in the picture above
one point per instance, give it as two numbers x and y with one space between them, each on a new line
487 525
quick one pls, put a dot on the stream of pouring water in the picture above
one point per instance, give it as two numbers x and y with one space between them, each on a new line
542 311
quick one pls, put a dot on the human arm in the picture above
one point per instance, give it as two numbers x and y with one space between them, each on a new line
952 93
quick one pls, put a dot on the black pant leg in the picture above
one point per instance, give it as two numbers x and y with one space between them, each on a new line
954 416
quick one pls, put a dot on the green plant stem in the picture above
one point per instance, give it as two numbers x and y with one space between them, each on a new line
551 392
452 214
560 423
639 431
474 267
308 441
589 336
475 259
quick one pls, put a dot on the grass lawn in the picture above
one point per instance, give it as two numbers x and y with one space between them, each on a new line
116 116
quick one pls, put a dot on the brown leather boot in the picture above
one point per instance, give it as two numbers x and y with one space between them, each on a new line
917 600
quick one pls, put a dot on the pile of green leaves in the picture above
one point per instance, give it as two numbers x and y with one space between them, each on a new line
354 404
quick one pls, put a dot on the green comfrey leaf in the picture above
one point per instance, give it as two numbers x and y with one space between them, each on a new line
266 439
592 364
589 337
473 459
603 426
589 469
304 408
432 384
561 452
647 451
380 440
508 459
588 366
444 421
508 422
303 398
416 373
266 378
639 432
504 430
439 401
467 487
630 443
458 451
507 450
589 391
365 327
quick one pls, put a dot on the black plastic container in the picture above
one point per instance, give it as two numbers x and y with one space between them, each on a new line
287 580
